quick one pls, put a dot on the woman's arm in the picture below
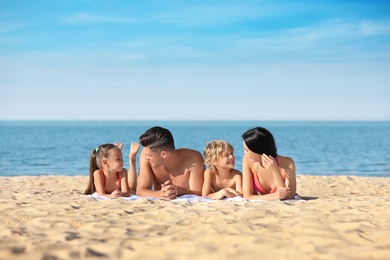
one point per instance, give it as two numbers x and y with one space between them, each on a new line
286 189
291 178
247 184
247 180
270 164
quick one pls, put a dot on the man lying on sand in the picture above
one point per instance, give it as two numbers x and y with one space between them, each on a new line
166 172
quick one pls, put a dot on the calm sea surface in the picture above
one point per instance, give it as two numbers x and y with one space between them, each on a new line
318 148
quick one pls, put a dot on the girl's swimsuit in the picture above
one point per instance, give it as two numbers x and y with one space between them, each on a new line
104 181
257 186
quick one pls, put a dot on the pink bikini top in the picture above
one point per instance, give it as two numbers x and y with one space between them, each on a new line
257 186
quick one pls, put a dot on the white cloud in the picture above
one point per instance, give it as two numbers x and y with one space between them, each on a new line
327 40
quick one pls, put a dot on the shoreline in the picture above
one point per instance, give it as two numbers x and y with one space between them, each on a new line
48 217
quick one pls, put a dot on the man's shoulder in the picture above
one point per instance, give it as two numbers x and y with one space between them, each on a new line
191 155
188 151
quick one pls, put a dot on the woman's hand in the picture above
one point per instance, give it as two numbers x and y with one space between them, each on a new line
268 162
283 193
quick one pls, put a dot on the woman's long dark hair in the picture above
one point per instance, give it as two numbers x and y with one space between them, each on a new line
259 140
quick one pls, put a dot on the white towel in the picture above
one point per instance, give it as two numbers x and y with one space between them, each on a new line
189 197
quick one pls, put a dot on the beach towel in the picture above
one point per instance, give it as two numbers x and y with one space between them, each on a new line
189 198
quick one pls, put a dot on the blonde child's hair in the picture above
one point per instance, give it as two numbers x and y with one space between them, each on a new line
213 150
95 162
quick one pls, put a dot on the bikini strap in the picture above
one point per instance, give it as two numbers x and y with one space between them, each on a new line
277 161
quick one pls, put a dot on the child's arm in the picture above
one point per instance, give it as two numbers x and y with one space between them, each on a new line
119 144
238 181
222 193
97 175
98 182
230 192
208 192
132 173
125 191
206 187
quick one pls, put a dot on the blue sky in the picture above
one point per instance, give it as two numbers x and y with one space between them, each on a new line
194 60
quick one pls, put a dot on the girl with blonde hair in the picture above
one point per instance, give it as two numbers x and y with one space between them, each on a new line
221 180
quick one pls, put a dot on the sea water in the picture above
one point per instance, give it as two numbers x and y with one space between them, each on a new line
318 148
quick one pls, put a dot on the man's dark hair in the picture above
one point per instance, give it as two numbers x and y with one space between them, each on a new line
157 138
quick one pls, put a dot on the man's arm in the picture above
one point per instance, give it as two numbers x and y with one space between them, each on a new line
132 173
145 179
196 176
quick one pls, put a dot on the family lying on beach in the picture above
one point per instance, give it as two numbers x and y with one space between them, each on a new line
167 173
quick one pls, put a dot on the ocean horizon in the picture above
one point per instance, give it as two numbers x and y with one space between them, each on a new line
63 147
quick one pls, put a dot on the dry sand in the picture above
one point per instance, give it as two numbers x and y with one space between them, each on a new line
48 217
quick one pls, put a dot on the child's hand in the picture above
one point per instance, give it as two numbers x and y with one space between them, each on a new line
233 191
223 193
120 145
116 193
134 148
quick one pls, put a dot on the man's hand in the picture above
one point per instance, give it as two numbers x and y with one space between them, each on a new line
168 190
134 148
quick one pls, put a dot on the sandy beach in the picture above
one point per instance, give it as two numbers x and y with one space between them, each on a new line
48 217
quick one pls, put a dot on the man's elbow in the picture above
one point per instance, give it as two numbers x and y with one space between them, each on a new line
141 191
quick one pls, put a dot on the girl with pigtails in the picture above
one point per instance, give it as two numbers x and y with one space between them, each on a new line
107 177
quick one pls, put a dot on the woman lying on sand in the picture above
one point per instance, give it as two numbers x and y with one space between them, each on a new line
266 175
